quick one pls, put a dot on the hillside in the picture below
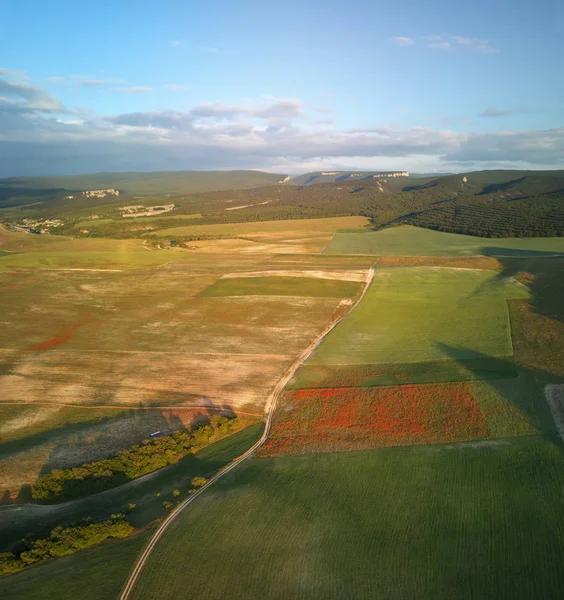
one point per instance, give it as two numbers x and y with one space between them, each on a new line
15 191
340 176
485 203
494 204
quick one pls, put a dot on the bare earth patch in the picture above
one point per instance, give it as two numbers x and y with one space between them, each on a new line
354 275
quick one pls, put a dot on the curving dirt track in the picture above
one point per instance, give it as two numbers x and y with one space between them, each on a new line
269 409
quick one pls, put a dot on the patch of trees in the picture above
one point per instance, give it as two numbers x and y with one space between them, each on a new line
90 478
532 217
63 541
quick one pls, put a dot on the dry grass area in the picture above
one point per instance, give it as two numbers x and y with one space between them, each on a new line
288 227
129 379
94 361
267 244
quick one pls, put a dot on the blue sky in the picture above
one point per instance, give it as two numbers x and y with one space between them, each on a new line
287 87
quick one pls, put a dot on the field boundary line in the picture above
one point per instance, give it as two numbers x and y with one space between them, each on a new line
330 240
129 407
269 409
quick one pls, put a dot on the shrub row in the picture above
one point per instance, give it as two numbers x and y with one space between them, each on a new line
150 455
62 541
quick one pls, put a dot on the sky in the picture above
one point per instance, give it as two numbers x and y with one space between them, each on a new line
289 87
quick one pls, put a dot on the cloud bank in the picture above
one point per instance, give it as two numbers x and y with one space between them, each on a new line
38 135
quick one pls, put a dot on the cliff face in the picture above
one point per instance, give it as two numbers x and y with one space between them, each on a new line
337 176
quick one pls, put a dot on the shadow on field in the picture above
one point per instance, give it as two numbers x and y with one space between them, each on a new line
526 392
544 272
74 444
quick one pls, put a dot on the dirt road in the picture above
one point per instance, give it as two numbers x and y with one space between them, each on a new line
269 409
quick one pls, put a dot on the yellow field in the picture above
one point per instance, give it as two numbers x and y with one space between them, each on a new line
286 228
102 324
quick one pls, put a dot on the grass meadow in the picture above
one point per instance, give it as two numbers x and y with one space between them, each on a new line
468 521
419 314
413 241
282 286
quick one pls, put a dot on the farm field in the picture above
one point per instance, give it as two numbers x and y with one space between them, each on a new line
417 314
468 369
282 286
336 419
413 241
391 523
325 225
82 350
413 454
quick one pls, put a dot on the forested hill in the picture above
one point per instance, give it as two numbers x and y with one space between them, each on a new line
493 204
484 203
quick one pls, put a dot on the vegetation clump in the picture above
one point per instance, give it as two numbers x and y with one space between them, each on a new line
139 460
62 541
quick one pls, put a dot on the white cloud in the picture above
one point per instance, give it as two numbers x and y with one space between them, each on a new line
403 41
446 41
280 109
261 135
208 49
403 110
22 96
178 43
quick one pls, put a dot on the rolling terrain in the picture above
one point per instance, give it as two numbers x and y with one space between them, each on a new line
409 380
491 204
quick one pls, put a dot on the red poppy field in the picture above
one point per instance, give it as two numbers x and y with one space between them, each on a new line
333 419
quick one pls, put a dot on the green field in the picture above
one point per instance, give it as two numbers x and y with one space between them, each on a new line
92 574
418 314
412 241
282 286
469 521
470 369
